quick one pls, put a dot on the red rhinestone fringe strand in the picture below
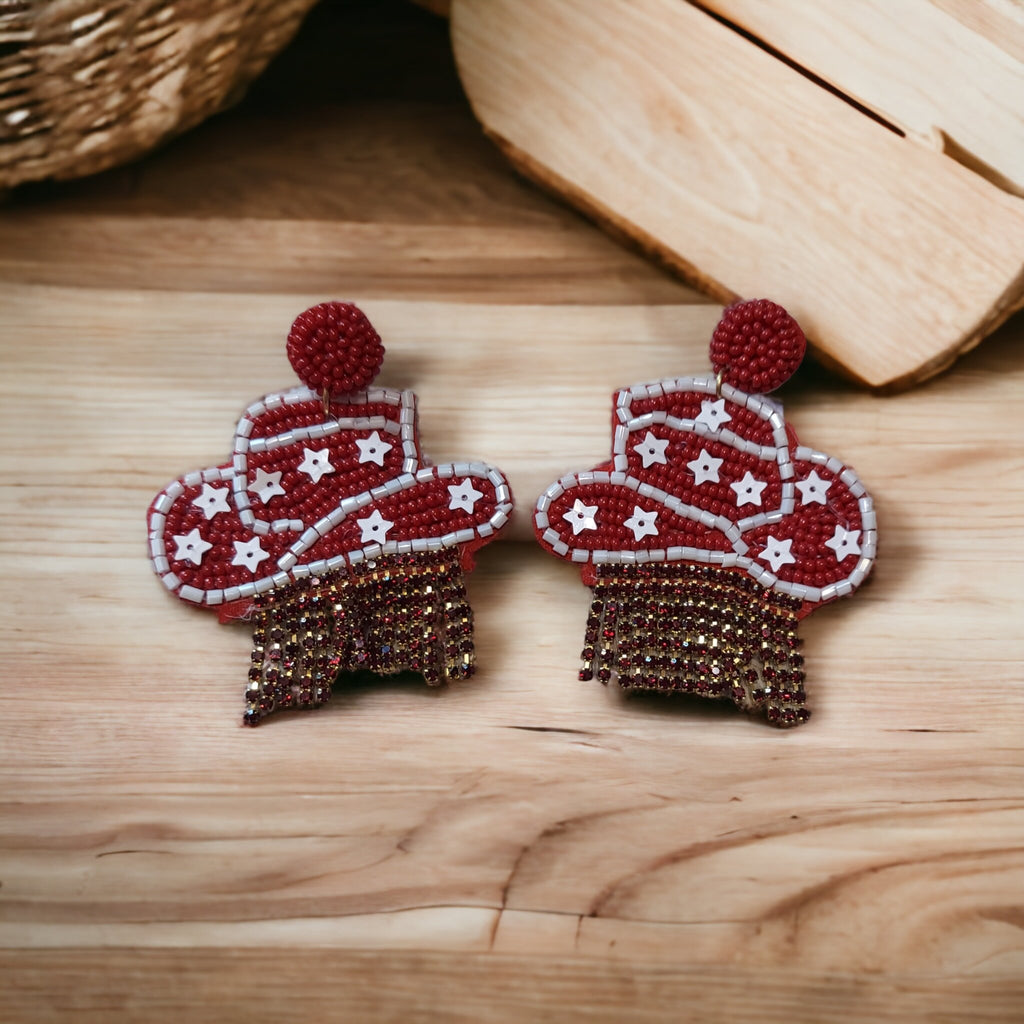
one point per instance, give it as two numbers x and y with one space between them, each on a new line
403 613
697 629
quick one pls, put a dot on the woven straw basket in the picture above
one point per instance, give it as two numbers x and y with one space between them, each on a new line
85 84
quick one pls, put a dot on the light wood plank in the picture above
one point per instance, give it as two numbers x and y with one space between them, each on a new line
533 264
998 20
881 838
493 381
433 986
668 125
951 87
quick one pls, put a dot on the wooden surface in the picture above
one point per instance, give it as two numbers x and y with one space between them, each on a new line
523 846
748 176
928 67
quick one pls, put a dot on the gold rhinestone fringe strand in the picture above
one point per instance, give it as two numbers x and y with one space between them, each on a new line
699 629
391 614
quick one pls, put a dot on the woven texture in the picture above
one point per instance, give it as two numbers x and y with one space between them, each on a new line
85 85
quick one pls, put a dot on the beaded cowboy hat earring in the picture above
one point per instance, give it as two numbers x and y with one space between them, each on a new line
329 530
711 531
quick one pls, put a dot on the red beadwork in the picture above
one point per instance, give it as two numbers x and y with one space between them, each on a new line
757 346
705 494
333 346
252 523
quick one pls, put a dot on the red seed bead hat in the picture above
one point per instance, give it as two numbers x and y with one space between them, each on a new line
710 511
324 519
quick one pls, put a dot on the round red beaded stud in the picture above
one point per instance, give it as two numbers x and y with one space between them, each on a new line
757 346
333 347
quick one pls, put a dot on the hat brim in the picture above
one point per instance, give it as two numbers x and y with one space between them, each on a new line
198 558
675 531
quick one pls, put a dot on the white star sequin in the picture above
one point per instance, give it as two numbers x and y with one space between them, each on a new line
813 489
705 467
776 552
651 450
748 490
581 517
844 543
713 414
249 554
315 464
266 485
373 448
642 523
464 495
374 527
191 547
212 500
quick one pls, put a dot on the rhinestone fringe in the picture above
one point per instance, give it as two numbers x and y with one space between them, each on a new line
391 614
685 628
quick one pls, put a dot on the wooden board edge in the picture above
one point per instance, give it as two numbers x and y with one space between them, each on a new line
1010 302
629 234
618 227
771 32
108 984
982 322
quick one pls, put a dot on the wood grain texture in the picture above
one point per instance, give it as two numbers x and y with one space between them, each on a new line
998 20
913 63
241 204
522 846
425 986
748 177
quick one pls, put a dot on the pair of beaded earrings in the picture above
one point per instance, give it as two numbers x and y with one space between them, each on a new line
709 533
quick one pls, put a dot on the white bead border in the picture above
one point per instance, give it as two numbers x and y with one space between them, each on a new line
738 558
405 428
287 564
